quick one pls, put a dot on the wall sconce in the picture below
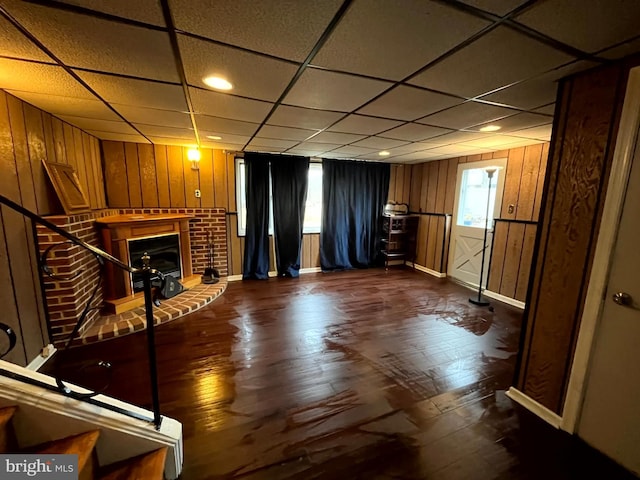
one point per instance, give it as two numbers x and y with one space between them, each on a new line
193 154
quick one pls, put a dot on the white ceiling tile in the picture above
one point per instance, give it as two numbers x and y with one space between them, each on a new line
591 27
234 147
228 106
38 78
408 103
498 58
333 91
286 116
511 143
317 147
57 105
310 152
491 141
168 132
226 138
547 109
517 122
363 125
411 157
411 148
92 43
285 133
456 137
379 143
542 132
284 28
251 75
335 137
466 115
153 116
272 142
14 44
178 142
414 132
99 125
147 11
454 149
224 125
381 39
351 150
138 93
497 7
255 148
118 137
623 50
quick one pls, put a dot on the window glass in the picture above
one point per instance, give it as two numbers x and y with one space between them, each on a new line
473 198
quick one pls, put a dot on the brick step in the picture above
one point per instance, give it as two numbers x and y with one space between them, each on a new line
81 445
7 434
149 466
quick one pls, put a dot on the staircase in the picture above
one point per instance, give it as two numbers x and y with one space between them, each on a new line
149 466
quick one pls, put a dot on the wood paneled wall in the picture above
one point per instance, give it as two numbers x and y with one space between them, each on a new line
28 136
579 164
429 188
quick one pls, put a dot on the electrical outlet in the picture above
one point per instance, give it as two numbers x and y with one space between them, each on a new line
512 208
198 194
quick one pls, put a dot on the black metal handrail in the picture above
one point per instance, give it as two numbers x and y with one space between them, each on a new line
146 273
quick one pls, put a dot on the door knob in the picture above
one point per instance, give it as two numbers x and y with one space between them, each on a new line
622 298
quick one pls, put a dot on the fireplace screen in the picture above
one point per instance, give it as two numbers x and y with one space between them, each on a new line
164 252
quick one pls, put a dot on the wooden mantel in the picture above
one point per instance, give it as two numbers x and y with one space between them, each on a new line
117 230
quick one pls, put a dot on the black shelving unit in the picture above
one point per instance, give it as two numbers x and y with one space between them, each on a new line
399 237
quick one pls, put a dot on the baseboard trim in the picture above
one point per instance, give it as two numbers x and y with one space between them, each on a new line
235 278
534 407
310 270
501 298
427 270
37 363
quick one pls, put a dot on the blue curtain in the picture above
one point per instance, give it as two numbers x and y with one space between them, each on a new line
289 177
353 198
256 242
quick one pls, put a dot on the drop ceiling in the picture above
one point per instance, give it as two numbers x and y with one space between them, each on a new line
326 78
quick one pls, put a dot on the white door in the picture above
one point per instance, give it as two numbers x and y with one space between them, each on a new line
468 226
610 419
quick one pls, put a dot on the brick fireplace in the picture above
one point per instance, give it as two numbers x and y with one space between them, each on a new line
66 299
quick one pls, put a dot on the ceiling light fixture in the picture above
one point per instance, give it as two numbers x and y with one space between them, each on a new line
384 153
490 128
218 83
214 137
193 154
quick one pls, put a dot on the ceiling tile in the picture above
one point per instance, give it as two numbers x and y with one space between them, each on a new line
518 122
333 91
147 11
414 132
547 109
411 148
498 58
138 93
599 25
497 7
363 125
179 142
466 115
14 44
286 116
228 106
284 28
457 137
226 138
542 132
414 157
272 142
92 43
38 78
100 125
623 50
458 149
285 133
334 137
224 125
202 59
377 38
379 143
169 132
254 148
305 151
408 103
57 105
351 150
317 147
235 147
152 116
491 141
118 137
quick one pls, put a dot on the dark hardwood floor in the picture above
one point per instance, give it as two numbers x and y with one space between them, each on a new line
362 374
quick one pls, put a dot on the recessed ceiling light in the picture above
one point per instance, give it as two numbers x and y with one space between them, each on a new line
214 137
490 128
218 83
383 153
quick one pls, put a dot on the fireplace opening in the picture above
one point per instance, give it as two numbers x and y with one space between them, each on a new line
164 251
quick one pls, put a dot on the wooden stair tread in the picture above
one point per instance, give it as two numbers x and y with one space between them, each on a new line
7 436
149 466
81 445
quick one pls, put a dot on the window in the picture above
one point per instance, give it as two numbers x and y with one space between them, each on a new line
313 207
473 198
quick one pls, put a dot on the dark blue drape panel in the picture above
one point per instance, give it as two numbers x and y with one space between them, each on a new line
353 198
256 242
289 177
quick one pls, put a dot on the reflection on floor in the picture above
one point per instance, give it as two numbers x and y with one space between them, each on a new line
361 374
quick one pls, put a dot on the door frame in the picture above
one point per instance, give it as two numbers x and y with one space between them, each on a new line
497 208
623 154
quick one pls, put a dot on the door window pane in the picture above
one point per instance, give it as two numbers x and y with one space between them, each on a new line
472 206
